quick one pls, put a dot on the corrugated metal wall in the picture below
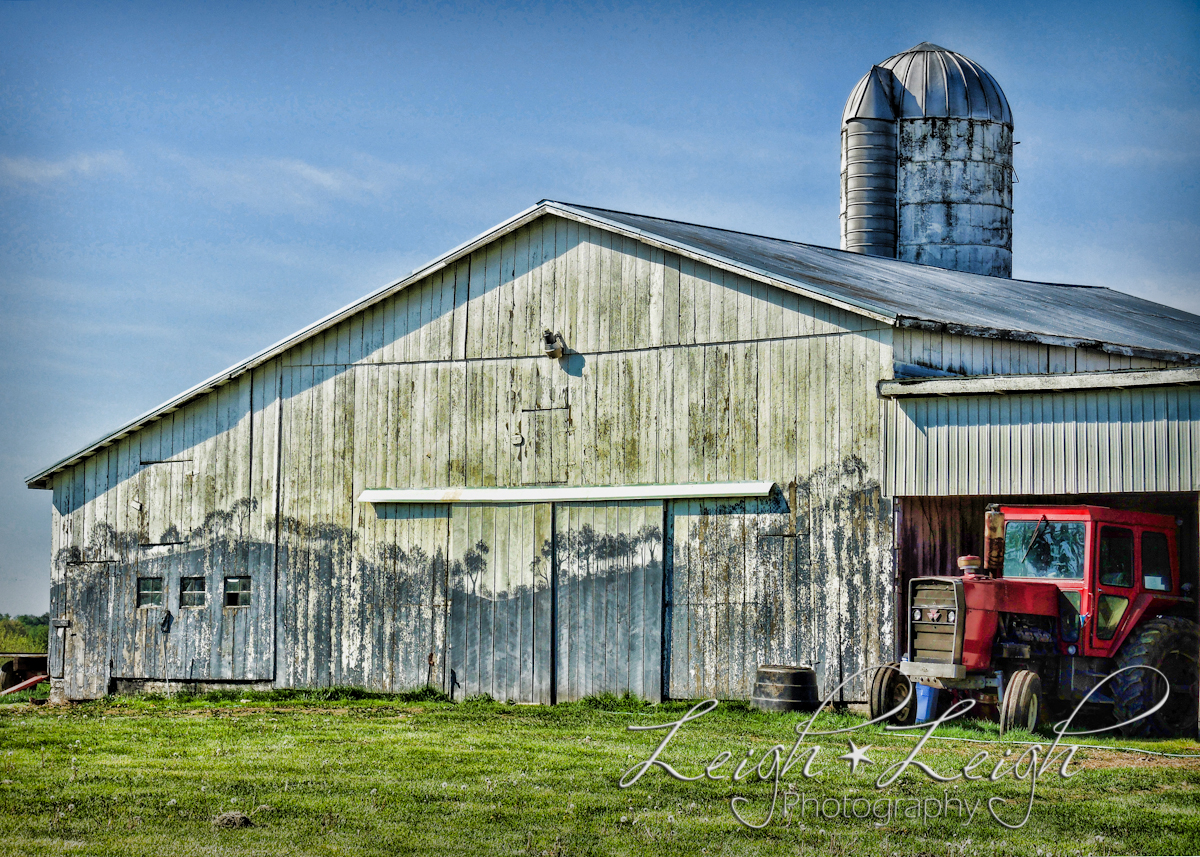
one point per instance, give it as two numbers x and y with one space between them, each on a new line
1095 441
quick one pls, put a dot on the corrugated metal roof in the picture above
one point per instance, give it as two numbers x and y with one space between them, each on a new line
928 80
901 293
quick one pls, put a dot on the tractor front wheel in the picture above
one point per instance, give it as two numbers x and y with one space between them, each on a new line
1169 644
889 688
1021 707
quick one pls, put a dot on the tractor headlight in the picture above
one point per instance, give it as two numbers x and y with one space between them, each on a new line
917 614
950 615
1071 650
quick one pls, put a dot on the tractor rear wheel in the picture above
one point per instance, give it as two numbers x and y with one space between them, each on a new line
889 687
1169 644
1021 707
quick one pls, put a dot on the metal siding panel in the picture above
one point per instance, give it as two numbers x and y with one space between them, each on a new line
1072 466
1189 425
1090 441
1162 463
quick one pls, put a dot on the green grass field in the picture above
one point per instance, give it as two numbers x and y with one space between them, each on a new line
366 774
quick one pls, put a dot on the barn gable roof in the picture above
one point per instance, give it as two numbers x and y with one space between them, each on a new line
920 296
902 294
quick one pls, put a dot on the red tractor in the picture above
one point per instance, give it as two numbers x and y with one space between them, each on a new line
1063 597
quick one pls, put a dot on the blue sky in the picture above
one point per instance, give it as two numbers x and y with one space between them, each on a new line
183 184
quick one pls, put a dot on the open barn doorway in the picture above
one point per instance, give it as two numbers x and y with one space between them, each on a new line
932 532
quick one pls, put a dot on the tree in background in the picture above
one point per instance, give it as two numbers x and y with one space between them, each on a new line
24 633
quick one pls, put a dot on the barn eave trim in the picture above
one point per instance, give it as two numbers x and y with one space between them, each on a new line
935 326
1004 384
565 494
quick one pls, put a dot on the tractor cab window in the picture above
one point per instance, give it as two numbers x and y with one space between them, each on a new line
1110 609
1156 562
1044 549
1116 557
1068 614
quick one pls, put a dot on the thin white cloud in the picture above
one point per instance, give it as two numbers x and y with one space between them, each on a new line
290 185
42 172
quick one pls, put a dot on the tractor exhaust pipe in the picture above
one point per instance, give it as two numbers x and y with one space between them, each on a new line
993 541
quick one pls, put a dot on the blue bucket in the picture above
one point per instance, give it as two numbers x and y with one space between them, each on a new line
927 702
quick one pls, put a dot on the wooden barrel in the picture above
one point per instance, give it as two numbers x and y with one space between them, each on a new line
784 688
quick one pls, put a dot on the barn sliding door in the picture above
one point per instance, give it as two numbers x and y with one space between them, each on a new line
556 602
609 599
500 634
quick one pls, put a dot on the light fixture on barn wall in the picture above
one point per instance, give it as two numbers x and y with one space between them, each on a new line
553 343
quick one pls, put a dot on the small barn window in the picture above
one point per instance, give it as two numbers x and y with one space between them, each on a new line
237 592
149 592
191 592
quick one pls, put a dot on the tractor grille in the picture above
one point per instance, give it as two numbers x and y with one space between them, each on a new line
935 620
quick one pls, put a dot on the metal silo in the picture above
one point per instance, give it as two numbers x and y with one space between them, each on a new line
927 164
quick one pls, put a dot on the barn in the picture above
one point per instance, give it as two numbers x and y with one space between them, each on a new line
597 451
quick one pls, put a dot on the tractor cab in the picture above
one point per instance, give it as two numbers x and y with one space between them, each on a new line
1063 597
1096 570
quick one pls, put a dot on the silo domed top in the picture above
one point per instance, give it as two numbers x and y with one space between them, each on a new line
929 81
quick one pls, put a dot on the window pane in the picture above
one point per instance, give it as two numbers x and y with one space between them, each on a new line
149 592
192 592
1043 549
1156 562
1108 615
1068 614
1116 556
237 591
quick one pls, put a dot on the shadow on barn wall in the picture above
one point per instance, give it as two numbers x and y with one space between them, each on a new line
757 581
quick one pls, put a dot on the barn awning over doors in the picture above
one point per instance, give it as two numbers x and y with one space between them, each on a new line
563 494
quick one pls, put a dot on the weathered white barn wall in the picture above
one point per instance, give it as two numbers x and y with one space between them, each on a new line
676 372
190 495
608 598
501 631
1070 442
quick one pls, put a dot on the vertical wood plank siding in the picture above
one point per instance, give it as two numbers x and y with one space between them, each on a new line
1085 442
973 355
191 495
675 372
609 599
